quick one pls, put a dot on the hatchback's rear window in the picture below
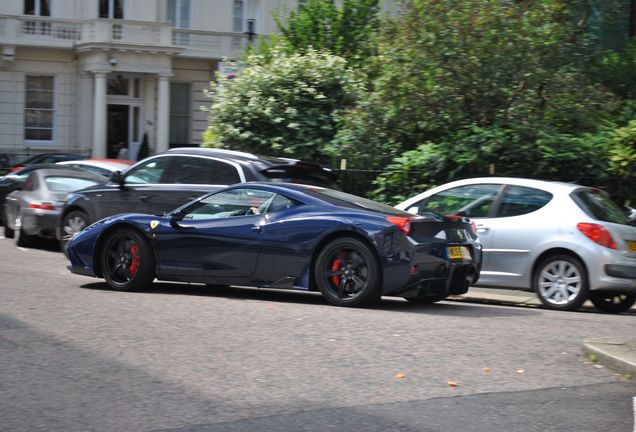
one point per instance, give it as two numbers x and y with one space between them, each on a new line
352 201
598 205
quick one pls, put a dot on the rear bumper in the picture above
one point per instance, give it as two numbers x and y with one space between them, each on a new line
40 222
457 277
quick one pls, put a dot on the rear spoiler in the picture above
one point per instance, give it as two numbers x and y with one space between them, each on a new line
301 172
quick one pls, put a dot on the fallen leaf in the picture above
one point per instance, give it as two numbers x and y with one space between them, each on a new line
520 371
486 369
453 384
400 375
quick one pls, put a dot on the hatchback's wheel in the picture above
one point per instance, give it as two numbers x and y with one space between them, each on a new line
560 282
127 260
8 232
22 239
425 300
347 273
612 302
72 223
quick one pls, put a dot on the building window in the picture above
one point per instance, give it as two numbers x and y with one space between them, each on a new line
179 114
179 13
113 9
239 13
39 113
37 7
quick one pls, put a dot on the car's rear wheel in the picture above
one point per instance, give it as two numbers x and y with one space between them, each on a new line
72 223
560 282
347 273
8 232
127 260
425 300
612 302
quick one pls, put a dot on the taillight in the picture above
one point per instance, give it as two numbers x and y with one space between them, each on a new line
42 205
598 234
403 223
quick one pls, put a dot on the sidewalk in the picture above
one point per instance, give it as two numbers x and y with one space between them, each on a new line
618 354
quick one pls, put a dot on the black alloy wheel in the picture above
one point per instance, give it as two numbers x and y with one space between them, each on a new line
127 260
73 222
612 302
347 273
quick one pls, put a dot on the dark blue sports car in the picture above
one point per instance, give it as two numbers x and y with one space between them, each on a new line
290 236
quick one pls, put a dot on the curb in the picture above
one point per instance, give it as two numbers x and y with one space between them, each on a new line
614 353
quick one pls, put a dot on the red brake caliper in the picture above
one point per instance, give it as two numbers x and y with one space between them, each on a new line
335 278
134 262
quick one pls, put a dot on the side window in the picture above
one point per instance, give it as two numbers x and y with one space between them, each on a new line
470 200
196 170
151 172
232 203
520 200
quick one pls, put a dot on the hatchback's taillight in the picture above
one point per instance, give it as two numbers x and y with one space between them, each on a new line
403 223
598 234
42 205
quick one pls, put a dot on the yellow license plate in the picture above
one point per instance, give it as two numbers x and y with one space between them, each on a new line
458 252
631 246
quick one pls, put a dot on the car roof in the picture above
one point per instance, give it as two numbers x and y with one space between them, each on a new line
548 185
70 172
104 163
230 154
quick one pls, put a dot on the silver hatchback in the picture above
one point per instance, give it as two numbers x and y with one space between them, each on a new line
567 242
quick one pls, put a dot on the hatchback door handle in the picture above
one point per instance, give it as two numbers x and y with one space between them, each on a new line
482 228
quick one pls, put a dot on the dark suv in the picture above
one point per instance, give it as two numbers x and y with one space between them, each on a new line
163 182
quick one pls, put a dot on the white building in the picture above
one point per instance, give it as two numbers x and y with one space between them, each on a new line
82 76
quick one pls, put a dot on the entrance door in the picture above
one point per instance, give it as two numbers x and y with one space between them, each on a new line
118 126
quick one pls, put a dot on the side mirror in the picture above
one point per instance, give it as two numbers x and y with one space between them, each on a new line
118 178
175 217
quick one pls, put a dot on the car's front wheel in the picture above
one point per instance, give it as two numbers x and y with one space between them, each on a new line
347 273
612 302
127 260
72 223
560 282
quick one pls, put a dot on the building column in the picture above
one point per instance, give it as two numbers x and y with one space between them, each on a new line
85 112
163 113
99 116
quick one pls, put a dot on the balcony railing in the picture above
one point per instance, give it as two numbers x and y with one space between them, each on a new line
62 33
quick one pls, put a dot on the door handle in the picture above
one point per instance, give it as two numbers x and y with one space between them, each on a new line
145 198
257 228
482 228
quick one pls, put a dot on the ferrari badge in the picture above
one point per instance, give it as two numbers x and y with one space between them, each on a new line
154 224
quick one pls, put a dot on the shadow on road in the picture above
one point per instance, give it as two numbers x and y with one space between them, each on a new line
390 304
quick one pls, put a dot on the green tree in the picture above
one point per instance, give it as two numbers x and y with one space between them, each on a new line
345 28
479 84
285 104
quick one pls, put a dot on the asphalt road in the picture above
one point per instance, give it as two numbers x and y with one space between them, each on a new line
75 356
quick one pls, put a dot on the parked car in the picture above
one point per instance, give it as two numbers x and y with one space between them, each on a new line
46 158
34 209
631 213
12 181
161 183
105 167
286 236
566 242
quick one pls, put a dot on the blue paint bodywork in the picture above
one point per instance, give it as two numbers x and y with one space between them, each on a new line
277 249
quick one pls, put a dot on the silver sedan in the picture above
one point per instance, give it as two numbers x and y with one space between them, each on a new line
566 242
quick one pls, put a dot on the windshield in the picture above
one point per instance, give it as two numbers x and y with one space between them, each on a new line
597 204
352 201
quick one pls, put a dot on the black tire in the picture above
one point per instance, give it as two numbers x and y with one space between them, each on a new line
127 260
425 300
8 232
347 273
612 302
73 222
560 282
